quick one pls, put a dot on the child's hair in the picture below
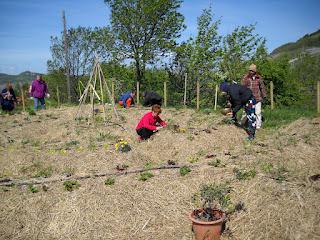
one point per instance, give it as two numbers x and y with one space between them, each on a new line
156 108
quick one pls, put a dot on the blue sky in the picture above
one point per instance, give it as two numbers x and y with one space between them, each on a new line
26 25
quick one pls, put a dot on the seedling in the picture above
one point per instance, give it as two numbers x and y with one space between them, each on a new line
33 189
184 170
71 185
72 143
266 167
243 174
145 176
216 163
109 181
148 166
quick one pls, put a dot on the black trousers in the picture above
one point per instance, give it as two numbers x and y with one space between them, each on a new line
145 133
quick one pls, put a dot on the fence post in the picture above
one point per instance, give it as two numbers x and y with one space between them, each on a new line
198 94
138 91
271 95
58 96
216 98
112 89
185 90
318 96
22 97
165 93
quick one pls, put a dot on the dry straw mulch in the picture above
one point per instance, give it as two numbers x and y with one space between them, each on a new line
280 201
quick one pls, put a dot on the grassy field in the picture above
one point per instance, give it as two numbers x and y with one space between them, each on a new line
85 197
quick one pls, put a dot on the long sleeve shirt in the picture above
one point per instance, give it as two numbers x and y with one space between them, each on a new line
149 121
256 84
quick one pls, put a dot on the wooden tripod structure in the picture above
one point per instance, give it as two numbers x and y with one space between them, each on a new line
96 74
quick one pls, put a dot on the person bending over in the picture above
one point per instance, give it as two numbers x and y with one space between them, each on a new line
150 123
241 96
126 99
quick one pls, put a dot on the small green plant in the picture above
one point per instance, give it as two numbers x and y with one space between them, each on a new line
105 136
92 145
216 163
243 174
280 174
24 141
72 143
71 185
193 159
145 176
148 166
109 181
31 112
35 143
68 171
122 146
266 167
44 172
190 137
184 170
37 169
33 189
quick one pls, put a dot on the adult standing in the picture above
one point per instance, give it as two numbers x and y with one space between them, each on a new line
255 82
39 90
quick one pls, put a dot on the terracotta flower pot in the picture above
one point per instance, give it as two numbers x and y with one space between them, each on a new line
207 230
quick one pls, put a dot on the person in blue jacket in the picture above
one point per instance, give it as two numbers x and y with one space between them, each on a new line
126 99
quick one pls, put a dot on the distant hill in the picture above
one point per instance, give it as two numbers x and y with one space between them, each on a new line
23 77
309 43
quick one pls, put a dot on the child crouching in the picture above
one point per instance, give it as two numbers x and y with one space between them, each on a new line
150 123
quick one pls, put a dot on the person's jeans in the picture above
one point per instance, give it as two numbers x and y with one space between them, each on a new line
36 103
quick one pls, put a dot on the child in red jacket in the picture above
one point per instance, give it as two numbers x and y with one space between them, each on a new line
150 123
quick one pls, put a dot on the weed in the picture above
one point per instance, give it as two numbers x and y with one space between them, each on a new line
44 172
266 167
24 141
148 166
37 169
68 171
35 143
193 159
280 174
71 185
109 181
243 174
72 143
92 145
216 163
145 176
190 137
33 189
105 136
31 112
184 170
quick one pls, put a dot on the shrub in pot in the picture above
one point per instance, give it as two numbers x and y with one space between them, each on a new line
207 221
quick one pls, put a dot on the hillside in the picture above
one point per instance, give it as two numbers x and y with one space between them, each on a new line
278 199
309 43
26 76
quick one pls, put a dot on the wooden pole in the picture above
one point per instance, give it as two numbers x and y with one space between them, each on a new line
165 93
198 94
58 96
112 88
216 98
80 94
102 99
138 91
271 95
22 97
318 96
185 90
67 67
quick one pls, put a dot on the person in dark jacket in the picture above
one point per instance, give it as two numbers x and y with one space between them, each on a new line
38 91
151 98
8 98
242 97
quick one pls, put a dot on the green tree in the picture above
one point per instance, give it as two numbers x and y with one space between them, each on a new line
145 29
83 45
238 48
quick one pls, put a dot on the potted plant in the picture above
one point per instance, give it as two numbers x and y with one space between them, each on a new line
208 220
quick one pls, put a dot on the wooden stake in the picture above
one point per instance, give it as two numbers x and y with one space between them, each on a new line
165 93
271 95
22 97
318 96
66 53
198 94
216 98
80 94
185 90
58 96
138 91
112 89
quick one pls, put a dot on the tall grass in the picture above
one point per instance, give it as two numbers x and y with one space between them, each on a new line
281 116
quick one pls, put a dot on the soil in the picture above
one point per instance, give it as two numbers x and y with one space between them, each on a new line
207 214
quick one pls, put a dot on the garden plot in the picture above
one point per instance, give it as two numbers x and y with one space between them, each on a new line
269 176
